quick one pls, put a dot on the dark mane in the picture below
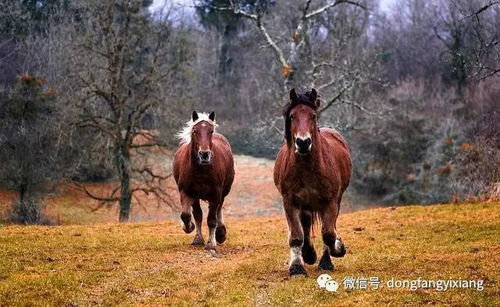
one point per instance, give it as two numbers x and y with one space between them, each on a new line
302 98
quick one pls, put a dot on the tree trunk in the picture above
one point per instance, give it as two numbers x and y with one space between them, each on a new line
458 61
226 61
23 192
123 161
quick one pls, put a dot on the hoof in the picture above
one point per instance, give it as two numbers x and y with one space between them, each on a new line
198 241
309 254
220 234
339 250
188 229
210 247
325 263
297 269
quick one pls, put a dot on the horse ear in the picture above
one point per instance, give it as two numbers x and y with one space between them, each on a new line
211 116
313 96
194 117
293 95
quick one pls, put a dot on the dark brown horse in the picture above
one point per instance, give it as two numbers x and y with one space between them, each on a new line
203 170
312 171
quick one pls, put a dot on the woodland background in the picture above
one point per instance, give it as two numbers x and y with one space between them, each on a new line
92 91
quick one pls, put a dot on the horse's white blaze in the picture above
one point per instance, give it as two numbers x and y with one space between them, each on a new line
201 148
296 255
185 134
303 136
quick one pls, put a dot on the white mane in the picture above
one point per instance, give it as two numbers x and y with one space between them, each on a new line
185 134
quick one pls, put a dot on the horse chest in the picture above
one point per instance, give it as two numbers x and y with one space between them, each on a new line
308 196
311 190
203 186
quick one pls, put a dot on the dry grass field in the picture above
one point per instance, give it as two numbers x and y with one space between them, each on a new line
90 259
153 263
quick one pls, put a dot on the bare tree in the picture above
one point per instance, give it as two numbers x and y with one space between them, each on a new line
122 62
469 30
301 63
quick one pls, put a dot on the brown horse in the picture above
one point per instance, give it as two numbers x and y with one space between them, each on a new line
312 171
203 169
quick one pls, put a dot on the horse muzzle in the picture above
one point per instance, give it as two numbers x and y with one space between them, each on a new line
204 157
303 146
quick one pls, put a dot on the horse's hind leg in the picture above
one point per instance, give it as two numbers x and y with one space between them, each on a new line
198 218
308 252
220 231
212 224
186 203
295 240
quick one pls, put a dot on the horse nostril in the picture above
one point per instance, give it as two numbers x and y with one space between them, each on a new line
205 155
303 145
303 142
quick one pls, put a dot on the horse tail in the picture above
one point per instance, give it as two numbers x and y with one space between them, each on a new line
310 218
314 220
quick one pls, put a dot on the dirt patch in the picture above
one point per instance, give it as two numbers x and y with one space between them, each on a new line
253 195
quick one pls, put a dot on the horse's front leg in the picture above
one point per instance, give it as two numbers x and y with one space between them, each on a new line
295 239
212 225
308 251
198 218
332 243
187 204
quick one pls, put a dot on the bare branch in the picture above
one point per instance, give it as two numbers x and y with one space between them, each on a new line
233 8
356 105
102 199
272 44
149 171
330 5
258 20
482 9
272 125
335 98
490 74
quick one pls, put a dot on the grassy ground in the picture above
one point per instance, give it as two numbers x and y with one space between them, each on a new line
153 263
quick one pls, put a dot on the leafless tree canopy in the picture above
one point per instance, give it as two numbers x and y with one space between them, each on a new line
94 91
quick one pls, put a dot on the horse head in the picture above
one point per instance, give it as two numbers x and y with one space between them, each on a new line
203 127
301 120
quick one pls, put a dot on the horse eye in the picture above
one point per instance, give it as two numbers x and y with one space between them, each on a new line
292 117
314 116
